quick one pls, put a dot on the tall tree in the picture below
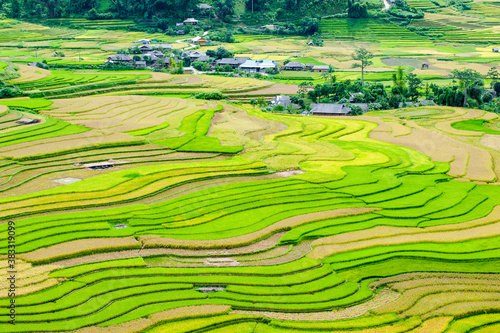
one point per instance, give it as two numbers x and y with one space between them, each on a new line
398 80
414 83
363 56
493 75
466 77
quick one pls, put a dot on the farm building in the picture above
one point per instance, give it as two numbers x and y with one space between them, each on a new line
151 57
165 62
281 100
165 46
294 66
142 41
158 54
425 65
320 69
27 121
269 27
233 62
180 24
495 50
204 6
257 65
140 64
120 58
196 55
188 70
329 109
145 48
37 64
200 41
191 21
310 43
353 95
423 102
363 106
309 66
181 32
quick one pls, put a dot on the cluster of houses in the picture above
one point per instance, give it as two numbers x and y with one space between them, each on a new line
320 109
158 55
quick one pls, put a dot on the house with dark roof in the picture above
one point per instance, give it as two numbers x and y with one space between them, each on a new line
142 41
165 46
196 55
145 48
181 32
329 109
294 66
140 64
120 58
309 66
425 65
233 62
179 24
191 21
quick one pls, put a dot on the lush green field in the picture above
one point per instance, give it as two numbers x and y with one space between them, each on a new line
216 222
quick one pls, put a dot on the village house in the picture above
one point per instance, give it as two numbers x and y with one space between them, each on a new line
188 70
257 66
495 50
142 41
320 69
179 24
233 62
294 66
309 66
352 96
200 40
329 109
145 48
120 58
150 57
283 100
140 65
165 47
335 109
196 55
204 6
181 32
191 21
425 65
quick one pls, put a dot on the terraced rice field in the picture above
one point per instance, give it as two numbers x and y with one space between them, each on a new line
158 214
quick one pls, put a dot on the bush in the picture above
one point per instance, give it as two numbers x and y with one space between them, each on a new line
216 95
487 97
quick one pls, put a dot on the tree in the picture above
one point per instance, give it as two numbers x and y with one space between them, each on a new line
399 83
414 83
466 77
493 75
224 9
357 10
254 102
363 56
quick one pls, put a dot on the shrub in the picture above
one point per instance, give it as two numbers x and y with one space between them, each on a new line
216 95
